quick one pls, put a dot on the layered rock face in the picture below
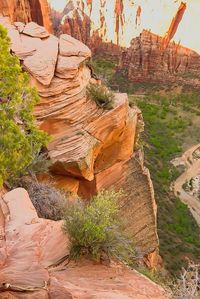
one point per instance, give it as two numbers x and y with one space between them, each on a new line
34 264
148 61
27 11
90 148
75 22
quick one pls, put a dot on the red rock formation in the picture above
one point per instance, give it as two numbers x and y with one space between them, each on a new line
90 148
174 24
147 61
77 24
26 11
33 261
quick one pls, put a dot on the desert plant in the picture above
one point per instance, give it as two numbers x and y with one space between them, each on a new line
20 139
94 228
48 201
187 287
103 97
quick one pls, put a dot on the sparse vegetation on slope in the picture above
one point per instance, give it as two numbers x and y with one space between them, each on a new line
165 131
95 230
20 139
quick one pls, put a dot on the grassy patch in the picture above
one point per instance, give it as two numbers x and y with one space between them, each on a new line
164 136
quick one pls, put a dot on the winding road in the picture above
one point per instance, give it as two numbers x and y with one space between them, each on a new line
192 169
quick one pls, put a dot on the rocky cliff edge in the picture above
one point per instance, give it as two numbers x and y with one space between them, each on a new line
33 263
91 148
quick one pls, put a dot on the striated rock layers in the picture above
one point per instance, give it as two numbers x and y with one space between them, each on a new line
147 61
34 261
26 11
91 148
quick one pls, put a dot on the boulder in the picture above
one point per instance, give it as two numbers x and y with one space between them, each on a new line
34 30
42 63
69 46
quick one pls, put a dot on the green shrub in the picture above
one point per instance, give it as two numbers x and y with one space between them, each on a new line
103 97
94 228
20 139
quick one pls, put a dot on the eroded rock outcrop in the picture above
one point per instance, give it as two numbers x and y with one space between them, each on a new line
147 61
91 148
27 11
33 261
76 20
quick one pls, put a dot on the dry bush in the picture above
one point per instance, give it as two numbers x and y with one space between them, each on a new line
48 201
188 285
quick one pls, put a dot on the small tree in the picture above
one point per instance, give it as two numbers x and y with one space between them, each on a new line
20 139
94 228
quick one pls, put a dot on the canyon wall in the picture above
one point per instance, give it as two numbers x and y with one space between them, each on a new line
27 11
75 22
91 148
148 61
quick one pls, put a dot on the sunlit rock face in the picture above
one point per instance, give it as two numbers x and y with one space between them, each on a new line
34 261
90 148
147 60
119 21
26 11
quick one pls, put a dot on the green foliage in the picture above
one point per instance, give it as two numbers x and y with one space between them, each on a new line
20 140
104 68
171 127
177 229
95 229
101 95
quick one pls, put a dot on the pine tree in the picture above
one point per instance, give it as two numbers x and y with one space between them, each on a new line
20 139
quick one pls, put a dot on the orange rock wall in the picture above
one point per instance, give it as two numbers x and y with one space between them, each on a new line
26 11
91 148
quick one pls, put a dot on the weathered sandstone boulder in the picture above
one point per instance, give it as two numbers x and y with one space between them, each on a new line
33 261
35 30
27 11
90 148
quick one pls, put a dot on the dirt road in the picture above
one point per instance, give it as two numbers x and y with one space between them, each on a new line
192 169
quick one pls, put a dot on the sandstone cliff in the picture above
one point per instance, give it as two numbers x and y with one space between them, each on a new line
77 23
147 61
26 11
91 148
33 261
